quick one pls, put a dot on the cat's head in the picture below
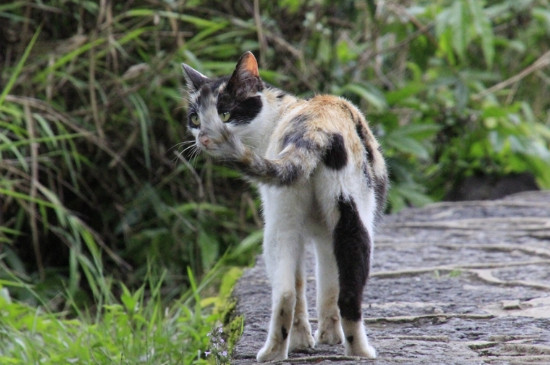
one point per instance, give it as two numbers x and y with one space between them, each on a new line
231 102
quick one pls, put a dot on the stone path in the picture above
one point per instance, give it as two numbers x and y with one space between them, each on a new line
452 283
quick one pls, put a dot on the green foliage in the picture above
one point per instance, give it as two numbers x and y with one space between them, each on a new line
137 327
91 153
145 325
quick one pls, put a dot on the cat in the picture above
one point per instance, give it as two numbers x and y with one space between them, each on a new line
322 178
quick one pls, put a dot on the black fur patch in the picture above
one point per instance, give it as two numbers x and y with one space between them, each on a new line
245 111
284 332
297 134
298 139
335 155
242 112
352 249
361 133
381 190
216 83
367 174
205 92
289 175
363 137
350 339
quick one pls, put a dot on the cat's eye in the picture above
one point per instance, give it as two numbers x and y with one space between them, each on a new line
225 116
194 118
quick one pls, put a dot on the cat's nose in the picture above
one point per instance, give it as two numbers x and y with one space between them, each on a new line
204 140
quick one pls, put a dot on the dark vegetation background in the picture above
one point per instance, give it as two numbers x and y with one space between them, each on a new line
97 186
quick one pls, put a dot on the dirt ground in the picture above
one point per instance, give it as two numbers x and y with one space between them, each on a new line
452 283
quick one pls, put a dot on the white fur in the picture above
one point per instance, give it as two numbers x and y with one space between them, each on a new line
257 133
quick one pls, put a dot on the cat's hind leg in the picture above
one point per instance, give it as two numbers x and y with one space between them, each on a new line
283 302
329 329
300 335
283 251
352 248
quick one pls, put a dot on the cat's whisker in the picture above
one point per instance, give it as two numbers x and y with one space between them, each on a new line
179 154
195 150
192 150
185 146
181 144
194 156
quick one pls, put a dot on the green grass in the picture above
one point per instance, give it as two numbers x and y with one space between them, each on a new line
137 327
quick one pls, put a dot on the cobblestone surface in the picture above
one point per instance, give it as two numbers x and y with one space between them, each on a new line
452 283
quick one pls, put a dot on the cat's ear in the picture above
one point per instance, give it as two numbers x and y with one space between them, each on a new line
193 78
245 80
247 65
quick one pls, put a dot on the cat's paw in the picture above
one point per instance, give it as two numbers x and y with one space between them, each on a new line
273 350
360 347
330 331
218 142
300 336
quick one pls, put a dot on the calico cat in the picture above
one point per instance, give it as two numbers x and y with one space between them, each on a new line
322 178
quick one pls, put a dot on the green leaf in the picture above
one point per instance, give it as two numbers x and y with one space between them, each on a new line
483 28
209 249
67 58
131 301
250 242
412 139
408 145
413 194
459 22
17 70
419 131
405 92
543 15
373 96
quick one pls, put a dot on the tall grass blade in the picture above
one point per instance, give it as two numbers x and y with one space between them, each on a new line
19 67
